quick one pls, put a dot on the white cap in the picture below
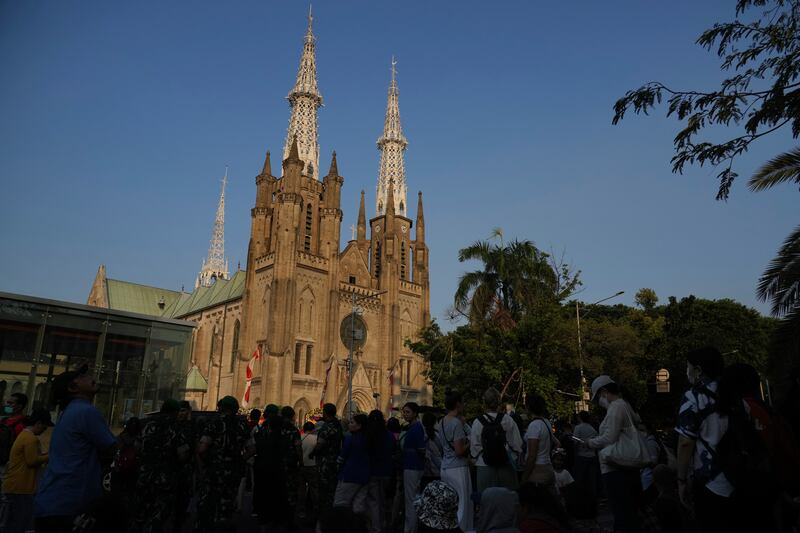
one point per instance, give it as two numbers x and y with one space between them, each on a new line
598 383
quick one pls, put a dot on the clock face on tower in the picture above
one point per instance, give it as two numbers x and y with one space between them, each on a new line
353 330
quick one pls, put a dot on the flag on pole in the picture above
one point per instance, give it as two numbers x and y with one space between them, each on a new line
325 385
249 375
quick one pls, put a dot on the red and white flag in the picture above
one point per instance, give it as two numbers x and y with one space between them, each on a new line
325 385
249 375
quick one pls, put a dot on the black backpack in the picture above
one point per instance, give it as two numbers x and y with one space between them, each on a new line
493 441
7 438
741 453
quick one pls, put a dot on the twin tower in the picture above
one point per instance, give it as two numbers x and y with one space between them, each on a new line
305 297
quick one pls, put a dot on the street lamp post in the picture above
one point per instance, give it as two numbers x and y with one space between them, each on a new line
353 312
580 347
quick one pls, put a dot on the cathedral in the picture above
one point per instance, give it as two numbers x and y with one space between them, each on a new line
288 327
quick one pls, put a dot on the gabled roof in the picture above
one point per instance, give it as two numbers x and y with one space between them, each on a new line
144 299
136 298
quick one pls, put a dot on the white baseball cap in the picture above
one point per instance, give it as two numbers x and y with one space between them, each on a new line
598 383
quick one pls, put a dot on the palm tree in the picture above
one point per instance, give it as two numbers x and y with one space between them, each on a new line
514 277
780 282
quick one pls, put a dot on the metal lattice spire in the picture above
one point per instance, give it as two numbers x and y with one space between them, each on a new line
392 144
305 99
215 266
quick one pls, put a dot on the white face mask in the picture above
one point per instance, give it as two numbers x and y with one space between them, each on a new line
603 402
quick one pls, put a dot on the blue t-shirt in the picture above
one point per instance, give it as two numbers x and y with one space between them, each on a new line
355 455
414 441
380 459
73 478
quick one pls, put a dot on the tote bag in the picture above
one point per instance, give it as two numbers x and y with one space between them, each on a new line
630 450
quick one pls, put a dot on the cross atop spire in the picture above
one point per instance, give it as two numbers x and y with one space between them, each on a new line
392 144
305 99
215 266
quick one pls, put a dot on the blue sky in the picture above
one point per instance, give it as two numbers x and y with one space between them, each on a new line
117 119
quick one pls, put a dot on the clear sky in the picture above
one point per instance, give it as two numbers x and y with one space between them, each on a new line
117 119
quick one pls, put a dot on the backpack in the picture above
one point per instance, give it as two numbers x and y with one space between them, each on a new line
7 438
493 441
742 455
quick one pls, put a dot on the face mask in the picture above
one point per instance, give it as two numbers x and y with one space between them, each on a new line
603 402
7 409
693 374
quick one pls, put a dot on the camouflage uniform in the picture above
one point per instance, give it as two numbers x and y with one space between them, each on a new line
327 461
292 458
187 440
158 474
218 482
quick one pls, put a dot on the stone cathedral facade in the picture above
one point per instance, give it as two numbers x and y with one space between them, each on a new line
289 315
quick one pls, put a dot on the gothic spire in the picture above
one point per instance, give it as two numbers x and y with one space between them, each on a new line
362 220
305 99
267 170
215 266
420 220
334 170
392 144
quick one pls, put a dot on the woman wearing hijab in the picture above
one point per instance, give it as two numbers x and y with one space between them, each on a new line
498 511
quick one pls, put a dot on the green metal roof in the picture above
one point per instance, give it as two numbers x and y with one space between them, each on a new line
135 298
144 299
195 382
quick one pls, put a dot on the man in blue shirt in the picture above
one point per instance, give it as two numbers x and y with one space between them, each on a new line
73 479
413 462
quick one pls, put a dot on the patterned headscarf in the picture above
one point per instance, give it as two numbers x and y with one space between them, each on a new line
437 506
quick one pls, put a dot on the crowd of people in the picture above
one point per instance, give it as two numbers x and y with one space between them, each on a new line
730 464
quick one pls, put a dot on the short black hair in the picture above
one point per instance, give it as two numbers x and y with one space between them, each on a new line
287 412
585 417
536 404
20 398
308 426
255 414
185 405
414 406
708 359
329 409
393 425
451 399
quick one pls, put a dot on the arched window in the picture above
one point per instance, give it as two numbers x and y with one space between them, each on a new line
402 208
309 358
298 354
377 259
309 223
403 260
235 347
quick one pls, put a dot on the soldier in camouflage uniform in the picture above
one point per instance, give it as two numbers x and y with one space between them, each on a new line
158 470
187 440
326 452
222 451
292 459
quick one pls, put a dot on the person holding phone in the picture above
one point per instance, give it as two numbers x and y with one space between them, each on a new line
455 468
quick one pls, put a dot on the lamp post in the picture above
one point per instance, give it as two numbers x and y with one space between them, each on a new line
580 348
354 310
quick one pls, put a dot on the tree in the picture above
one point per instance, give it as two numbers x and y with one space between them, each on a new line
646 299
514 277
761 97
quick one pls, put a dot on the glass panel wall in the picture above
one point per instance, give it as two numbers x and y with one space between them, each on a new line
138 361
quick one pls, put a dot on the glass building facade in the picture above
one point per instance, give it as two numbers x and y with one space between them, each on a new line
138 360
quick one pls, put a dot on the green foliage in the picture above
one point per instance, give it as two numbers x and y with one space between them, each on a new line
646 299
760 97
513 280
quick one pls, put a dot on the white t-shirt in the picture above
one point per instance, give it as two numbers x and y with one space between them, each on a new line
539 429
309 442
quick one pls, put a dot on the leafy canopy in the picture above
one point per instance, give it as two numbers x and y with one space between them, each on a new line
761 96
